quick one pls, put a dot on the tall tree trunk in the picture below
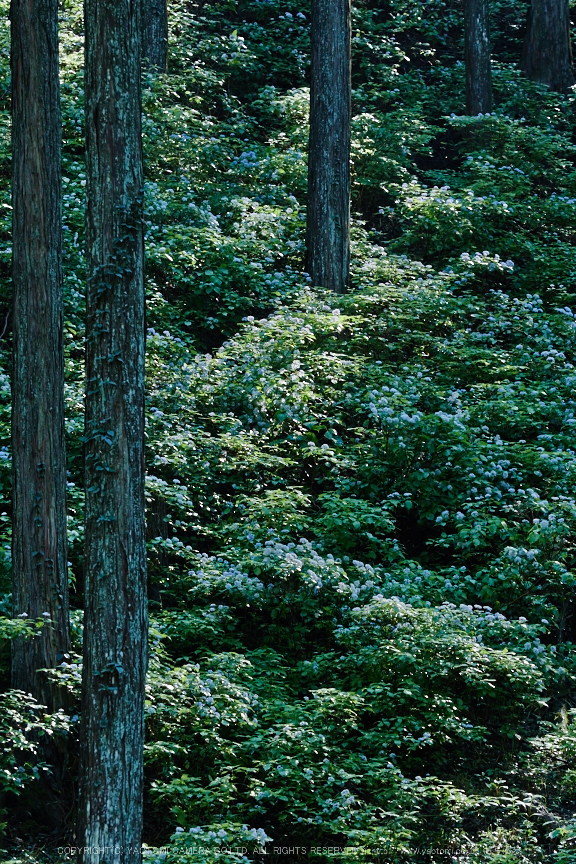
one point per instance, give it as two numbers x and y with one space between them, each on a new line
328 225
40 577
155 34
115 618
547 54
477 56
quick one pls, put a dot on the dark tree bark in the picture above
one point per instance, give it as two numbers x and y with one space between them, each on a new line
115 618
40 577
328 225
547 54
477 56
155 34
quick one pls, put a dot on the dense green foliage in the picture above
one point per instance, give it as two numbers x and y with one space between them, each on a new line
362 514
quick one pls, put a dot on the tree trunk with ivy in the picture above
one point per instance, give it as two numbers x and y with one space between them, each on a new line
328 221
155 35
547 54
39 566
115 618
477 56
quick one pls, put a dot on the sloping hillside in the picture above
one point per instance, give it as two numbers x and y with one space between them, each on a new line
361 509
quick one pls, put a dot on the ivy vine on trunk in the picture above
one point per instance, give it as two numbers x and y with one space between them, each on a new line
115 618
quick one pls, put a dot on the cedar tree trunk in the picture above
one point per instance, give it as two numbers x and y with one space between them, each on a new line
477 56
115 617
155 34
40 578
328 224
547 54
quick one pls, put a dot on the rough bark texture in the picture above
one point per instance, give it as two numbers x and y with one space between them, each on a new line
547 54
115 619
155 34
40 579
477 56
328 225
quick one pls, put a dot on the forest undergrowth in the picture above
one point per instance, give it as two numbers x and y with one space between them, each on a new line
361 508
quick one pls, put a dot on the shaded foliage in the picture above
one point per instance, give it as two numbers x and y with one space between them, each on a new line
361 510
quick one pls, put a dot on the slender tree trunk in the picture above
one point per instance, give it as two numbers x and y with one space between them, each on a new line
477 56
115 618
328 226
40 578
547 54
155 34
